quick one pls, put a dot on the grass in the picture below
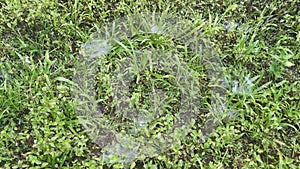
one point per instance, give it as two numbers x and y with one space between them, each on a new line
256 41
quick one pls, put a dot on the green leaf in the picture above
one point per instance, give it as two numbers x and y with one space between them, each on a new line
62 88
132 165
288 64
62 79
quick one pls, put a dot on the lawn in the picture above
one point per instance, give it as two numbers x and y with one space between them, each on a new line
62 106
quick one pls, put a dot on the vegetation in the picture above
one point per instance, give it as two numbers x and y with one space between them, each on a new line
259 46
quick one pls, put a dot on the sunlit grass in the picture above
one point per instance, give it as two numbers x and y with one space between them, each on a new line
258 43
